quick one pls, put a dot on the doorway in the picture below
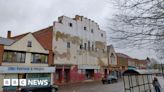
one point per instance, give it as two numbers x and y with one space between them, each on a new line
22 76
66 75
58 75
89 74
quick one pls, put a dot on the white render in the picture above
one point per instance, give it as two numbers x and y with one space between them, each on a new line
77 30
21 45
112 55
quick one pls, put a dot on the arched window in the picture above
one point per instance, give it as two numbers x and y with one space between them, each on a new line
112 58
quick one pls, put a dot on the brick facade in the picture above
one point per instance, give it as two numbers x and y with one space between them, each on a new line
1 53
122 62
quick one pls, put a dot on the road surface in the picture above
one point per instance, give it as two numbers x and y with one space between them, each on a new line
96 86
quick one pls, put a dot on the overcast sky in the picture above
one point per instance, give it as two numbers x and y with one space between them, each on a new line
22 16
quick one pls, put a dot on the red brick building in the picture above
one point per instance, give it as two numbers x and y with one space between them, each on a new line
127 62
122 61
1 53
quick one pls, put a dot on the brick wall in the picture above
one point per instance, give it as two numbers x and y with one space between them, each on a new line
50 58
1 53
122 62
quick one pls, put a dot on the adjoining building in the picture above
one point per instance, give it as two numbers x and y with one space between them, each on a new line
23 57
137 63
122 61
126 62
133 63
143 64
114 68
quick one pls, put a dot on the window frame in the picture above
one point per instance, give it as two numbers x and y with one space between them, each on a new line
93 46
102 35
29 44
92 31
33 58
85 28
68 45
81 46
85 46
14 55
70 24
89 45
112 58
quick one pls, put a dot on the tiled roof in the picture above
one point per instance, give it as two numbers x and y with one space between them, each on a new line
18 37
122 55
6 41
43 30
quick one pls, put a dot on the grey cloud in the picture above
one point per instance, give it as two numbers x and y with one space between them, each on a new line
22 16
30 15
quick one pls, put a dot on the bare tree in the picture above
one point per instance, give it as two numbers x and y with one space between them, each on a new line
139 23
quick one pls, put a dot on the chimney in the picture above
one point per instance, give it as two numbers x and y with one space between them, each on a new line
8 34
77 17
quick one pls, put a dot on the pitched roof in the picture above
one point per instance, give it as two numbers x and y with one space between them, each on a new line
6 41
18 37
43 30
122 55
35 34
45 37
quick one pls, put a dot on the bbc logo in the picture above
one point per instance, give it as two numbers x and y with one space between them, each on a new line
14 82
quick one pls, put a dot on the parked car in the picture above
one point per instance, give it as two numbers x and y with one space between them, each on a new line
159 74
109 79
53 88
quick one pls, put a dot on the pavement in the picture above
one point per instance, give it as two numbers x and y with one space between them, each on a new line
161 81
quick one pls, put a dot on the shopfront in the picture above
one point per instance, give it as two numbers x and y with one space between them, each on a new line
90 72
63 74
115 71
17 72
